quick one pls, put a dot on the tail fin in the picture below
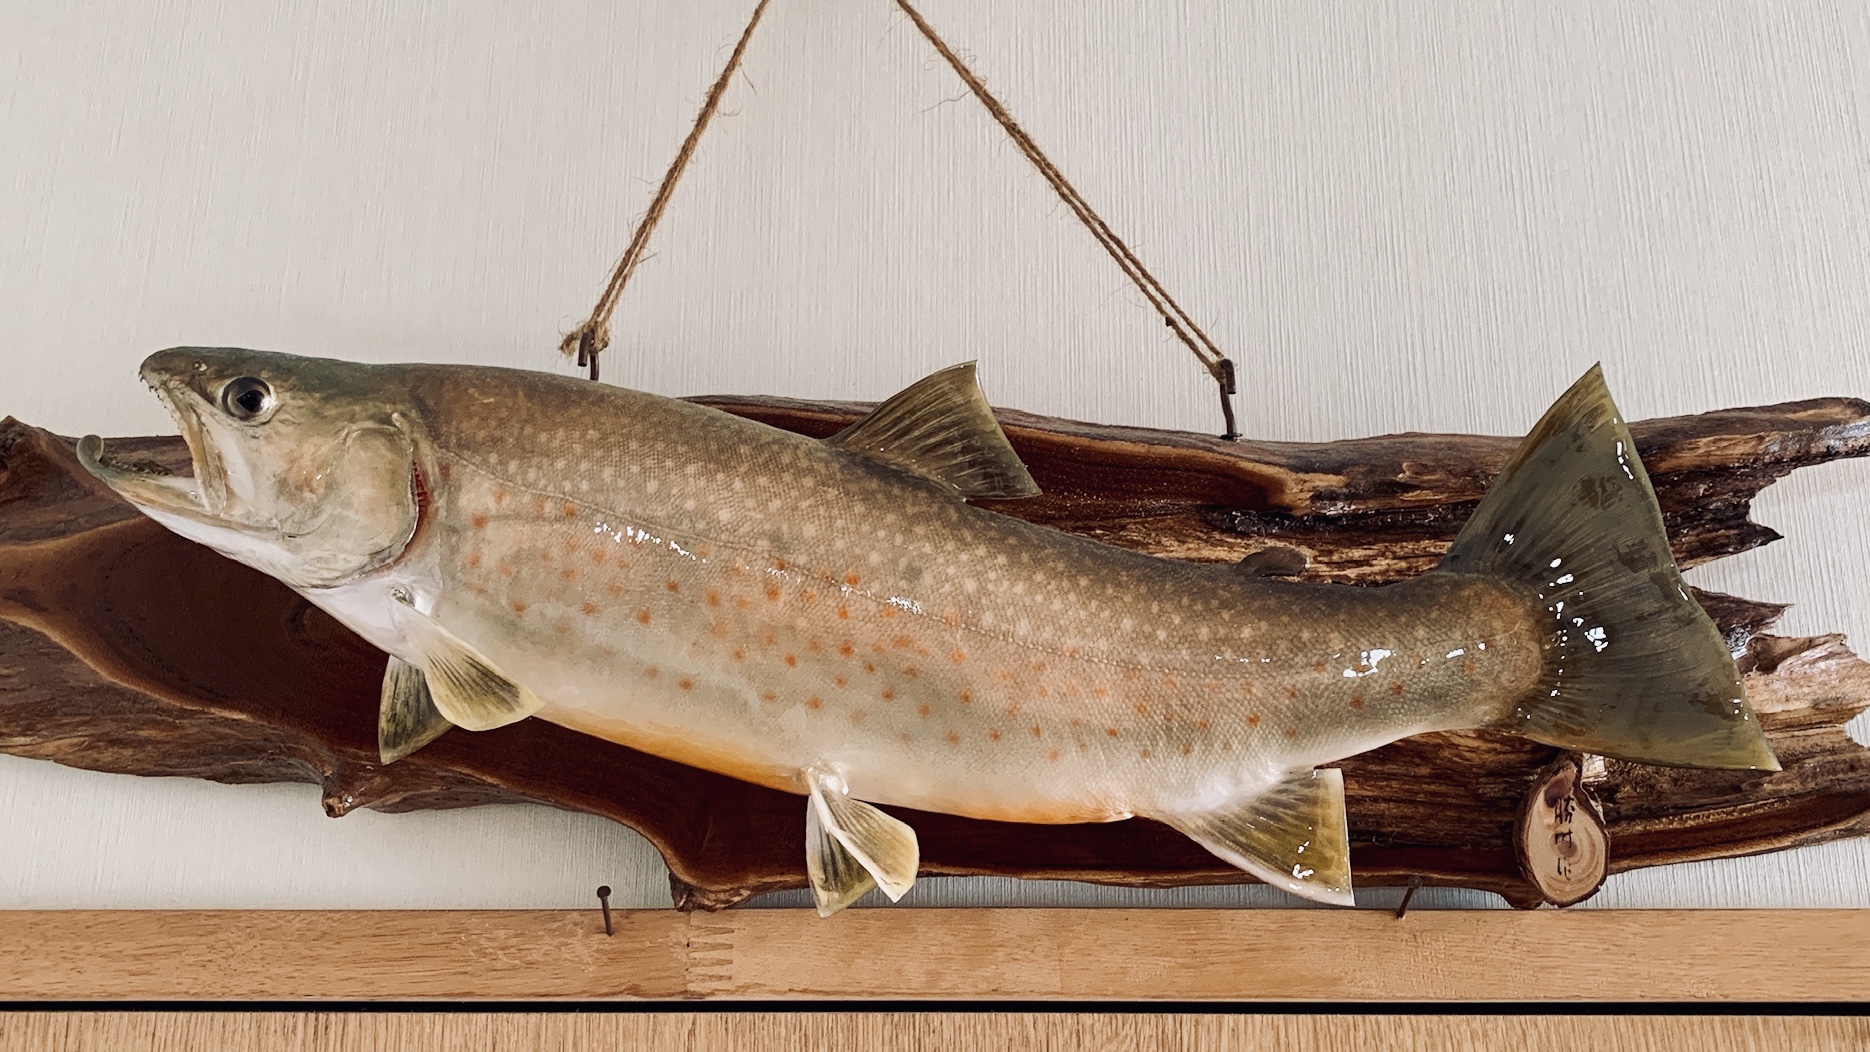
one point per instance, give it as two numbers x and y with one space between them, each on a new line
1634 668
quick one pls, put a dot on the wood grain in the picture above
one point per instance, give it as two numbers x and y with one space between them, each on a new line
968 954
907 1032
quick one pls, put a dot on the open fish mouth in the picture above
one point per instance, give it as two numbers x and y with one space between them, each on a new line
201 496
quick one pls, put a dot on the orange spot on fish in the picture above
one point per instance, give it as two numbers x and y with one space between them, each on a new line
902 642
1292 694
614 588
911 671
1101 691
1144 753
959 657
1357 701
993 734
499 497
792 660
1038 666
1318 666
568 574
844 612
772 593
779 564
888 694
767 695
1003 675
839 680
1203 724
810 596
850 579
870 667
1168 681
672 585
651 672
1187 749
473 560
1052 757
685 683
479 521
518 607
643 616
953 738
597 556
923 710
905 738
878 648
718 630
1142 708
966 697
951 617
740 653
767 637
714 597
1110 731
1292 732
813 646
1038 731
1469 667
1396 689
1253 720
814 703
846 649
1012 708
889 611
741 602
1247 689
589 608
1044 691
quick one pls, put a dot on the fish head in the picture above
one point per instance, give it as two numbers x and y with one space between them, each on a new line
304 468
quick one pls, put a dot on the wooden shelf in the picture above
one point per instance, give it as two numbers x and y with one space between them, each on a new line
1706 956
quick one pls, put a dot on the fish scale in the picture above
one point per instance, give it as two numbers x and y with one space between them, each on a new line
832 618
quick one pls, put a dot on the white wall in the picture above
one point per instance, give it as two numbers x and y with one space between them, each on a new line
1401 215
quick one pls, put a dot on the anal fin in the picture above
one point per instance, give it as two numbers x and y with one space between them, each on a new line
851 846
1293 836
407 718
468 690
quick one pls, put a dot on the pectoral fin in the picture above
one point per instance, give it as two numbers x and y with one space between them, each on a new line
467 689
407 719
1293 836
850 844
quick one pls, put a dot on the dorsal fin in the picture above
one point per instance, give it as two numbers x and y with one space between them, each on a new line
941 428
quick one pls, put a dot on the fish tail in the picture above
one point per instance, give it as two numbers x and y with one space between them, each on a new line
1634 668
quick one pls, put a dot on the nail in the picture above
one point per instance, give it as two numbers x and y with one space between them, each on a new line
1403 906
603 902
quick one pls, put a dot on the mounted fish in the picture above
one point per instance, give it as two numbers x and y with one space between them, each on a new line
833 619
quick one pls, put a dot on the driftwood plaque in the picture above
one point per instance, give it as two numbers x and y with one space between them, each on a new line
124 648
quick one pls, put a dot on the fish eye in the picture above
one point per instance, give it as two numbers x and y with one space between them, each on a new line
246 397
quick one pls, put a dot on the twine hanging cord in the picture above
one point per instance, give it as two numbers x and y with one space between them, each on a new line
590 339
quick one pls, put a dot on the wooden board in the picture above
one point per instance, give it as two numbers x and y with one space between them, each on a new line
133 650
907 1032
964 954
